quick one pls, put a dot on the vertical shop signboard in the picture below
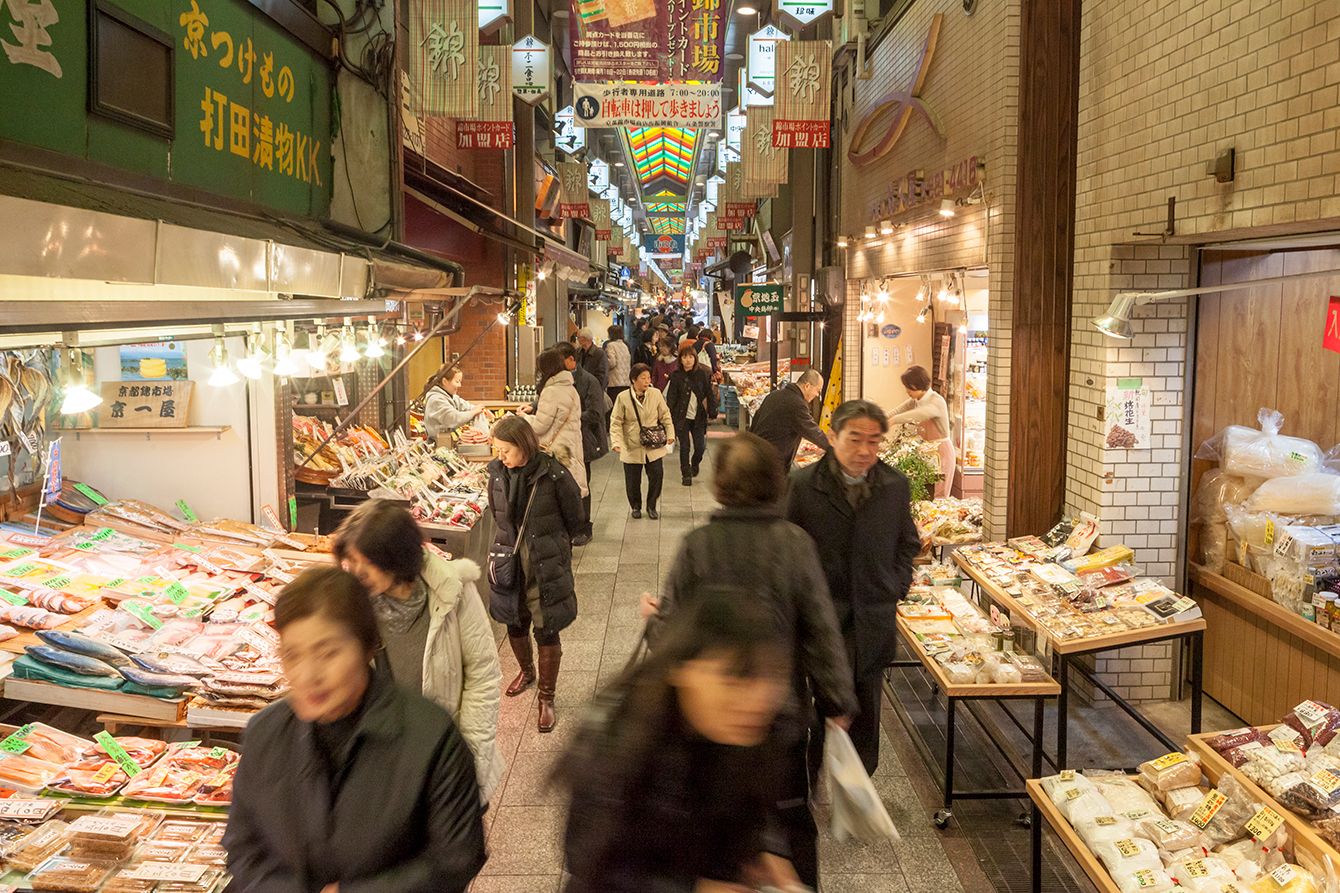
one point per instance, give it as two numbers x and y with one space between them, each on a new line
532 69
1128 415
802 12
492 128
765 165
758 299
568 137
575 202
444 56
1330 338
647 40
761 64
804 95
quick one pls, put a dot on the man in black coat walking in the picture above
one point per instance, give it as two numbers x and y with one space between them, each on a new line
592 358
595 436
784 418
859 513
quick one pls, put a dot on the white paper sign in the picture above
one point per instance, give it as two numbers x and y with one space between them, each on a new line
1127 417
29 810
181 872
341 394
691 106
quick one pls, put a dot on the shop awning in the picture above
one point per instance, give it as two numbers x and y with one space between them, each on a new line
467 203
90 242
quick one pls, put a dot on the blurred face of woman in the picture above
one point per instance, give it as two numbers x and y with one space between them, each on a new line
641 383
377 581
726 707
915 394
688 361
511 455
327 668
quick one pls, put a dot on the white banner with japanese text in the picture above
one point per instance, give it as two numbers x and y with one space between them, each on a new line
647 105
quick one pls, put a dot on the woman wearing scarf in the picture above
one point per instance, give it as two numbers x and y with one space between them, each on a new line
435 632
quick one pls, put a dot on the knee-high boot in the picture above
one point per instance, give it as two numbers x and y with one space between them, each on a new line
525 656
550 658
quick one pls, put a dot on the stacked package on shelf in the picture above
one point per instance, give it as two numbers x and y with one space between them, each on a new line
963 640
441 486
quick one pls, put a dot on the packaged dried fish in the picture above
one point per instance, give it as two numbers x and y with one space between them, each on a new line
110 836
27 774
103 781
163 783
45 742
37 846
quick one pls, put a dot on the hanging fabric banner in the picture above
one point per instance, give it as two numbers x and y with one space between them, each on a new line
600 216
764 163
444 55
647 40
492 127
693 106
804 95
575 202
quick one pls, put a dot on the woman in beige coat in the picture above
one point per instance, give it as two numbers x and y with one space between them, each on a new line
641 406
557 418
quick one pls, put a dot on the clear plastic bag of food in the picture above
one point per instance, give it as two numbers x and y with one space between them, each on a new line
69 875
1126 795
1146 880
1317 795
1217 490
1224 812
1303 494
1236 738
1270 763
1105 829
1316 722
1261 452
1204 874
1286 879
1181 802
27 774
1171 835
1174 770
1126 856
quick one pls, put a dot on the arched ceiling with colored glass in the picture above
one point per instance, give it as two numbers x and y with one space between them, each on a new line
663 157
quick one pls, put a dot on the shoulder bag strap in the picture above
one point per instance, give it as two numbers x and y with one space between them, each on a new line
521 531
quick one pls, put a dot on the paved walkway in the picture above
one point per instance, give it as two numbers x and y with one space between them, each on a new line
625 559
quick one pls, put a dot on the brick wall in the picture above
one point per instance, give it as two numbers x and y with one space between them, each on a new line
972 88
1164 87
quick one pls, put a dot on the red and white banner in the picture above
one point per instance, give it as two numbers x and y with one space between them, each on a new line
492 127
804 95
574 201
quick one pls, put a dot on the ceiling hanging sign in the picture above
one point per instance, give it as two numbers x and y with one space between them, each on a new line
758 298
600 216
600 176
691 106
763 161
444 54
804 95
492 128
668 245
568 137
493 14
575 202
762 63
532 68
617 40
695 39
801 12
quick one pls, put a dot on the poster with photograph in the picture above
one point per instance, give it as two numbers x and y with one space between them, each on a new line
155 361
1127 417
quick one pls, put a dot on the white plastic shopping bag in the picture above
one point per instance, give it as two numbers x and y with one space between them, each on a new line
857 810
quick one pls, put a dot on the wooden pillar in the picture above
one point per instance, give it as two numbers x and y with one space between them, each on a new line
1043 263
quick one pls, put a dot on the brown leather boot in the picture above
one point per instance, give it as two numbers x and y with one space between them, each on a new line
525 656
550 658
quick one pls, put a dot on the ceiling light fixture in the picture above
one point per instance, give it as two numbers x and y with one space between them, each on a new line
871 234
286 365
222 375
746 10
252 365
842 241
1116 323
376 344
78 397
947 207
886 227
349 342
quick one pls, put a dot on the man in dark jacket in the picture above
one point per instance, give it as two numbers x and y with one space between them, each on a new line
784 418
592 358
859 512
595 436
748 545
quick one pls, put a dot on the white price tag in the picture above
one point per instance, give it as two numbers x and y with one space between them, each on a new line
29 810
341 395
180 872
270 519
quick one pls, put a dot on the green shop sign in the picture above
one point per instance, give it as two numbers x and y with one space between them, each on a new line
251 105
758 299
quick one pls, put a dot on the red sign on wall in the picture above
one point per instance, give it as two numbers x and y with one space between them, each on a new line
1330 339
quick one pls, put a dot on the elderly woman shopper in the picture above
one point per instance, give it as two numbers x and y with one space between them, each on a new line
689 396
351 782
537 510
557 416
435 632
641 428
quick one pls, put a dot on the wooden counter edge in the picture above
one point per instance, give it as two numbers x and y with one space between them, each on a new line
1266 609
1088 862
1048 689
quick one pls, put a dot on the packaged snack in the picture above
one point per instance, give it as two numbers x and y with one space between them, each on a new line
110 836
210 854
1316 722
1181 802
1105 829
125 881
1175 770
1171 835
69 875
181 830
1127 856
162 851
1206 874
1286 879
37 846
208 881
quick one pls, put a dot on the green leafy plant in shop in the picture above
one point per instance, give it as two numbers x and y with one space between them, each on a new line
921 471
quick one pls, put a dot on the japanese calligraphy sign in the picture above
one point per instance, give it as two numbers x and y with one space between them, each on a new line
801 12
251 105
491 127
145 404
762 62
1330 338
575 201
648 40
600 216
764 163
758 299
1127 417
804 95
532 68
568 137
444 56
648 105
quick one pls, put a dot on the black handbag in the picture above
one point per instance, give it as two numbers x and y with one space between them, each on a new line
652 437
504 562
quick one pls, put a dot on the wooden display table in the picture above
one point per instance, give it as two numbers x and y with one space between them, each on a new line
37 692
1067 652
1038 692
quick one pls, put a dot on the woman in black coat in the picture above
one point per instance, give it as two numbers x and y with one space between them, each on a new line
689 395
349 783
532 493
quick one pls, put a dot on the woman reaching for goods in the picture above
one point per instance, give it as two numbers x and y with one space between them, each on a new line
931 415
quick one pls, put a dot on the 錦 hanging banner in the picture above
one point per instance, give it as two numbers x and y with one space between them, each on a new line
600 216
763 161
690 106
574 200
647 40
444 55
492 127
804 95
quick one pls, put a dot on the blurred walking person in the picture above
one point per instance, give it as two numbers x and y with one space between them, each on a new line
557 416
689 395
595 436
641 429
620 364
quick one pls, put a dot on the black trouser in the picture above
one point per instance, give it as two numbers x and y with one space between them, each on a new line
795 816
864 731
632 479
696 430
586 504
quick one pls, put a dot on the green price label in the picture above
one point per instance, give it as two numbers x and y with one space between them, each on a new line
22 570
13 598
147 580
57 582
193 613
176 593
218 753
98 498
142 612
185 548
118 753
112 584
86 546
15 743
104 533
293 513
13 554
186 511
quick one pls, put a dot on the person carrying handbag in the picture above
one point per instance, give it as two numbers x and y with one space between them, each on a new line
537 510
641 429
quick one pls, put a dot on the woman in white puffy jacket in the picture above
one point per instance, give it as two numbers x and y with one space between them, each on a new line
436 636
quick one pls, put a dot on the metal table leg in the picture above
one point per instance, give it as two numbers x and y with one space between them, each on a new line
1062 710
1197 680
943 816
1035 856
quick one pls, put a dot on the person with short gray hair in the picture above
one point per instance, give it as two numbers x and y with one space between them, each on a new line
784 418
592 358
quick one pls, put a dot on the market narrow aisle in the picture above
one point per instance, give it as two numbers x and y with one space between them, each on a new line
625 559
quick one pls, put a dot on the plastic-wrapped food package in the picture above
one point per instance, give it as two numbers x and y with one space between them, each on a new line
37 846
1329 829
69 875
1214 545
1174 770
1224 812
1127 856
1286 879
1126 796
1316 722
1105 829
1217 490
110 837
1264 452
1181 802
126 881
1236 738
1058 787
1269 763
960 673
1206 874
1302 494
1146 880
1085 807
1171 835
27 774
1241 756
1315 795
51 744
